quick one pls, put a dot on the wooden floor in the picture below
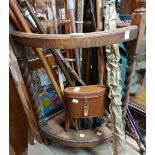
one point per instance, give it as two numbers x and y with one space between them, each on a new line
57 149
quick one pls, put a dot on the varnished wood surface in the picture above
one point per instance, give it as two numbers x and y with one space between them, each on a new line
138 19
56 132
67 41
18 125
132 47
20 85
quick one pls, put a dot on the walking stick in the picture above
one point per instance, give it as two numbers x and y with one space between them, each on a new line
94 57
79 11
66 27
99 27
14 19
113 82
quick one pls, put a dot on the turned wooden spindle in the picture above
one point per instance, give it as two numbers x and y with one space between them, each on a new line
137 18
129 75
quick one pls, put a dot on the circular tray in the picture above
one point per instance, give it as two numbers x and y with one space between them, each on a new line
81 138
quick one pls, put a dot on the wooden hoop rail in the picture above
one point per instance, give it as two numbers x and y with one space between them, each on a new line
71 41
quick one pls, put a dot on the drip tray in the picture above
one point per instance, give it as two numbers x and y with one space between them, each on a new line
81 138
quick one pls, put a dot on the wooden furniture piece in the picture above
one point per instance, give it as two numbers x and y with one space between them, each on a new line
131 34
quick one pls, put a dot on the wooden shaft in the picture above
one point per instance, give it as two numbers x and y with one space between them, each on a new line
61 65
99 27
80 10
14 19
48 70
38 51
99 9
73 30
78 78
87 67
55 16
93 15
66 27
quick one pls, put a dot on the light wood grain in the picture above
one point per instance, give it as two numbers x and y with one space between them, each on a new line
67 41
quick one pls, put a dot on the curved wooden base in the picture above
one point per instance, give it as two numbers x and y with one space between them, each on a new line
54 131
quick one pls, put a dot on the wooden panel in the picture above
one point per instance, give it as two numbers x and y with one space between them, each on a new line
70 41
18 125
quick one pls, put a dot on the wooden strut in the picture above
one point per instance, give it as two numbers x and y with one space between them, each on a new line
38 51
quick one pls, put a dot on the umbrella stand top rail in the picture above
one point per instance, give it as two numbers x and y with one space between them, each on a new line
82 40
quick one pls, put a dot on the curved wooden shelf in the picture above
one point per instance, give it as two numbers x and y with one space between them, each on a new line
54 131
71 41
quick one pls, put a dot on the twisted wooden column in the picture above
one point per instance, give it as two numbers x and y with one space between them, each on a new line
129 74
138 18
